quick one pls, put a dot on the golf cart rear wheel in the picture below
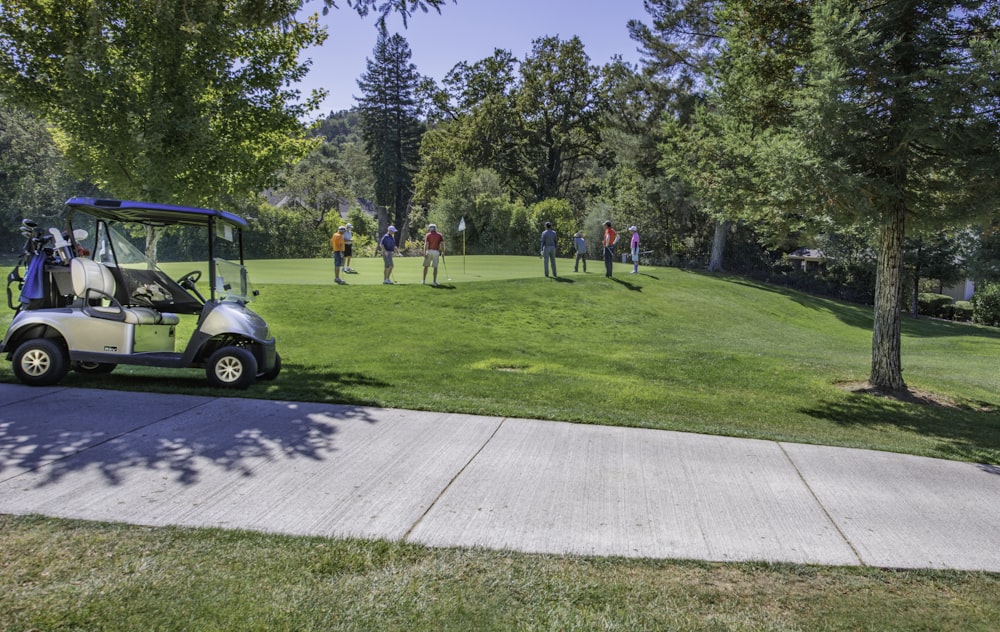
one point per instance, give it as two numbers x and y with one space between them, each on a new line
40 362
94 368
231 367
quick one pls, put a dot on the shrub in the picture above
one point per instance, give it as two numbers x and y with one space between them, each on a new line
986 305
963 311
936 305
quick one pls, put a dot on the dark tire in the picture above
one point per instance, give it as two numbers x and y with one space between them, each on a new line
275 370
94 368
40 362
231 367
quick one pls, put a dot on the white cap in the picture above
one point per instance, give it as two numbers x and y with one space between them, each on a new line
632 228
392 229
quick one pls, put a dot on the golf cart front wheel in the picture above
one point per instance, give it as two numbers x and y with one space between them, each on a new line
40 362
231 367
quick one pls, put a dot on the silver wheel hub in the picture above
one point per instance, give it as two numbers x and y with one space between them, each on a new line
228 369
36 362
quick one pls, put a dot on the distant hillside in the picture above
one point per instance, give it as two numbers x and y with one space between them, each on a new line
339 127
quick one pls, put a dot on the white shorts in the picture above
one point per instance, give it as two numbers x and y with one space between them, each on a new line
431 258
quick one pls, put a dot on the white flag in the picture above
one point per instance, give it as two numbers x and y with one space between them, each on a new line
461 224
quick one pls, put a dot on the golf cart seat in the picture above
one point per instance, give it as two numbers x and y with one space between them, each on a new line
93 280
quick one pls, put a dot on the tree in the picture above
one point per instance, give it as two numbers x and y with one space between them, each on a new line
559 115
933 257
640 188
34 181
405 8
981 250
679 48
391 127
474 124
899 123
176 101
535 122
858 110
170 101
315 186
477 196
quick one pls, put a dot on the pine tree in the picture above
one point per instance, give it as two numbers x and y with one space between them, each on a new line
391 127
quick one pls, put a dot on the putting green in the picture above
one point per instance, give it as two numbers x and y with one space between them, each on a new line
407 270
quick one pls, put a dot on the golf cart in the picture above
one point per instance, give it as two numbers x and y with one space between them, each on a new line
90 305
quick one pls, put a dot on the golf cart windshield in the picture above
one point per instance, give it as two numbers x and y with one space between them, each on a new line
120 229
138 280
232 283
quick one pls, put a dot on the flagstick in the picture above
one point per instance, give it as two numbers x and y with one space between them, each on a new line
461 229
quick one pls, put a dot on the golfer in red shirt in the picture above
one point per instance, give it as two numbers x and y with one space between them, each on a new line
433 250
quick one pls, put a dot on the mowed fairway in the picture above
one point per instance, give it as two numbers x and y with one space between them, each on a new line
664 349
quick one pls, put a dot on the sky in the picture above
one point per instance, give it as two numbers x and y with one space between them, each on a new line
467 31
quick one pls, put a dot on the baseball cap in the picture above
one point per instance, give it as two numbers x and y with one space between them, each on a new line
432 227
632 228
392 229
341 229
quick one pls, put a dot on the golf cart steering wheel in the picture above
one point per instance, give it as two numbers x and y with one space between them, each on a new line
188 280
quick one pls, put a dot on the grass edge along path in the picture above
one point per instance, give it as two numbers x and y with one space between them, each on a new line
69 575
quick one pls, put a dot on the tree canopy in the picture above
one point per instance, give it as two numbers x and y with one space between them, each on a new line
171 101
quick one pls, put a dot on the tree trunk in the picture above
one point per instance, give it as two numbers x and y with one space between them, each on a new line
153 235
718 245
887 369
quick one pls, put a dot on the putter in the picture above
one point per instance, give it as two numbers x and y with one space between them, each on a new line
445 268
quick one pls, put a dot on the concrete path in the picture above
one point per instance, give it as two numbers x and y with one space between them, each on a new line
462 480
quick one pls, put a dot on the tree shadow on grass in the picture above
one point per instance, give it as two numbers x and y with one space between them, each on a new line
861 316
963 433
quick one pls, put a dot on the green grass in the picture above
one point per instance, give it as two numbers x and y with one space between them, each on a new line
663 349
64 575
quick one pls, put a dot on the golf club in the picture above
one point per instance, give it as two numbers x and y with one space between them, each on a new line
445 267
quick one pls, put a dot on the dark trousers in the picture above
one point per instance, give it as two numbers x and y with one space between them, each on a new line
580 256
609 257
549 255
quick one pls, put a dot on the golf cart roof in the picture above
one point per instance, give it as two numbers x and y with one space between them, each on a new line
153 214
